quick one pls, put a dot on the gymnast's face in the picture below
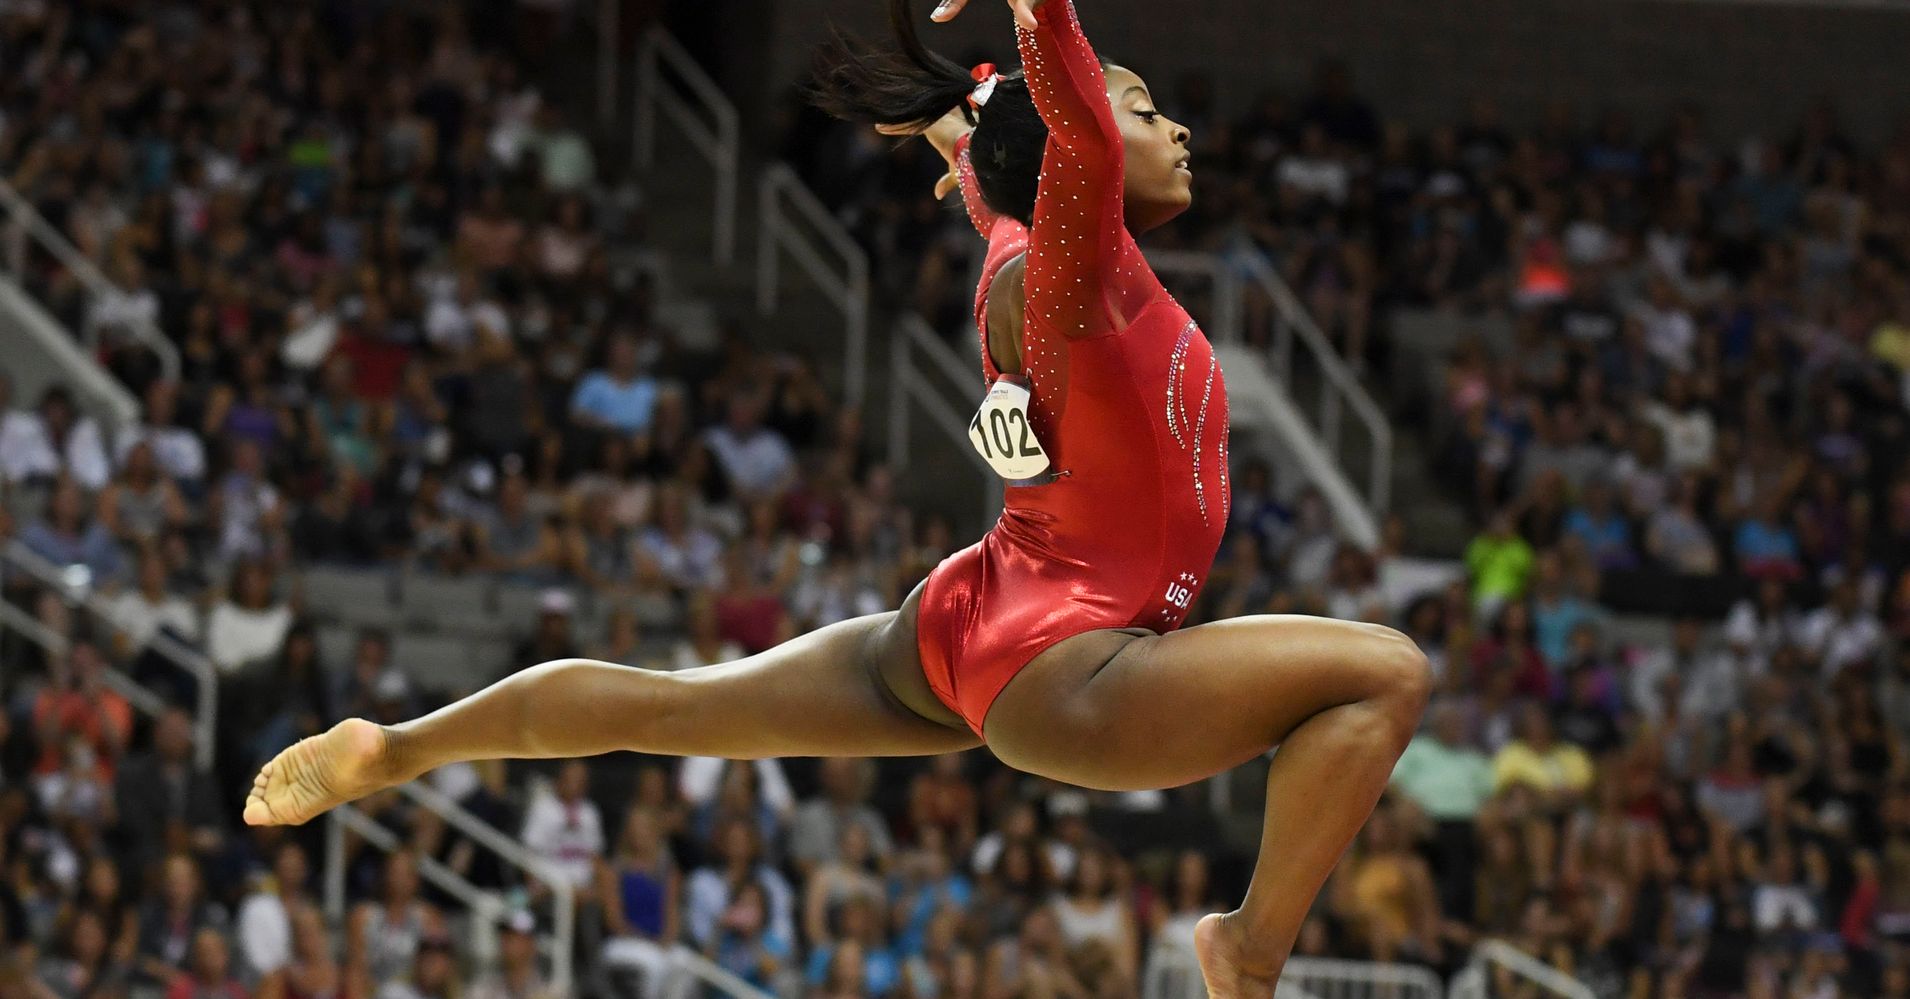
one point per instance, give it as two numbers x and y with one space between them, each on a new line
1159 175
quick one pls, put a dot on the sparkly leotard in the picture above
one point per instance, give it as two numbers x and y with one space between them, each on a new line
1128 402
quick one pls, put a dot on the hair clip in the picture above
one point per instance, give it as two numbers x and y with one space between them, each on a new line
985 79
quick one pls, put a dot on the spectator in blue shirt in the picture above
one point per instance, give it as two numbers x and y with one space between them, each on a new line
1764 546
69 535
619 396
1556 612
1605 533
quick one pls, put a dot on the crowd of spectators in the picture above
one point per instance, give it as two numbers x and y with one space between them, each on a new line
1679 391
411 335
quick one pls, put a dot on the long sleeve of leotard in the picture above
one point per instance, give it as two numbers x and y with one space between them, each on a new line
1078 224
980 215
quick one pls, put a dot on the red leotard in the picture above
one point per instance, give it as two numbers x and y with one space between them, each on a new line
1128 402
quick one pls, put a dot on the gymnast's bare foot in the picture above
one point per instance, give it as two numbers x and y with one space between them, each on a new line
1225 963
318 774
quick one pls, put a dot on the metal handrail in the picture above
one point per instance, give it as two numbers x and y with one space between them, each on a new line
1224 326
1472 981
782 199
179 654
141 698
719 138
715 975
558 945
97 284
1342 386
27 317
908 384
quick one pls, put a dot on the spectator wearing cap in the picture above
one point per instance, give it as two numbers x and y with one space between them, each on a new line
552 639
516 975
564 827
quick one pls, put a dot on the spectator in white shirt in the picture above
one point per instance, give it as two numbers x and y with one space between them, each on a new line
1842 633
1314 171
564 827
755 459
181 454
251 517
54 439
265 917
1690 436
1670 333
249 626
143 609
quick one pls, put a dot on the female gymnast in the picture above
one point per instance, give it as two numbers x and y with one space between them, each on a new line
1052 640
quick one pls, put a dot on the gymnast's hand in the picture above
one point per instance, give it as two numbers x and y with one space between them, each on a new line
943 134
1024 11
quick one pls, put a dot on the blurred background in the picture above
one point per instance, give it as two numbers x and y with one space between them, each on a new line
357 353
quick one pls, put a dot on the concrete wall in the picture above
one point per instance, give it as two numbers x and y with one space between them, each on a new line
1752 66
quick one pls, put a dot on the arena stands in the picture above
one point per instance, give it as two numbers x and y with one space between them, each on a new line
428 429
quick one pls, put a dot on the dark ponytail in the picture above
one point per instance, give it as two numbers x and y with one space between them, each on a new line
913 86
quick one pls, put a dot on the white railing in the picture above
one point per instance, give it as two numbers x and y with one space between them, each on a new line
29 221
1332 978
705 116
1224 324
714 975
1172 972
21 314
1497 955
915 356
486 907
78 591
786 208
142 699
1340 388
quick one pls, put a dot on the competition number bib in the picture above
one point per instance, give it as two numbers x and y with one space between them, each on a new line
1002 435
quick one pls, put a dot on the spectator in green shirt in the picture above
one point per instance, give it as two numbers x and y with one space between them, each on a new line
1441 772
1500 564
1450 780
